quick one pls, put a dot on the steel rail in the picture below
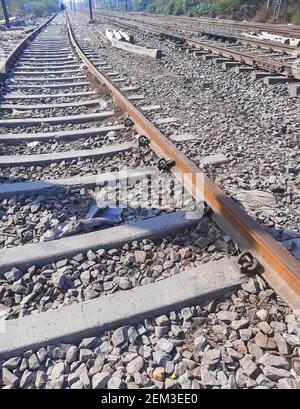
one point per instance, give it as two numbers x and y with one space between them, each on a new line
10 59
272 28
243 40
288 49
283 68
281 269
281 29
253 42
290 30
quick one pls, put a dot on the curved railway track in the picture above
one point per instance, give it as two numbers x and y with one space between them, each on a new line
72 130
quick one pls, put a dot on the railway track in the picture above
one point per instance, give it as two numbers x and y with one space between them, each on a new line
279 29
271 57
73 139
234 38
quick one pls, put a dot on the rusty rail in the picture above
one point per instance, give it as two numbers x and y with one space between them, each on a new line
281 269
282 48
248 41
282 68
243 40
280 29
257 62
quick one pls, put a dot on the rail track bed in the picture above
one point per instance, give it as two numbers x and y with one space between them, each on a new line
231 27
234 50
224 31
114 271
238 119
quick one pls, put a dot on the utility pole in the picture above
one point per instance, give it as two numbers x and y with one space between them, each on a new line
5 13
74 6
71 6
91 11
286 6
276 9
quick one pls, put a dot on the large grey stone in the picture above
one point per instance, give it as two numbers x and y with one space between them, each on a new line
269 359
136 365
119 336
9 379
275 373
100 380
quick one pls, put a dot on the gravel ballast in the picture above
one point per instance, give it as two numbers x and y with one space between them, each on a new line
101 272
247 341
255 126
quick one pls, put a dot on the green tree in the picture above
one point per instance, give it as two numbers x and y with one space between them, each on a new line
36 7
178 7
237 9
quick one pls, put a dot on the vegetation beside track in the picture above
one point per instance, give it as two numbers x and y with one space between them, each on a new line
38 8
235 9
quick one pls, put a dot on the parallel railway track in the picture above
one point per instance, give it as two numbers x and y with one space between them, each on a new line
285 30
256 53
56 155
